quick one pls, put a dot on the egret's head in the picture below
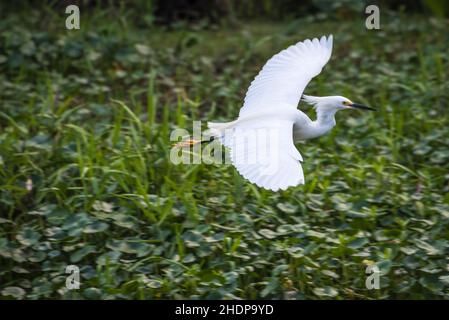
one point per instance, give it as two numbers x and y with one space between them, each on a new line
345 103
334 103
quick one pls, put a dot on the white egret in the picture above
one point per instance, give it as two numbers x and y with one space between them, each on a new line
262 140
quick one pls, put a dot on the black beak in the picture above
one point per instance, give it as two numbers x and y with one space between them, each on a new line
361 106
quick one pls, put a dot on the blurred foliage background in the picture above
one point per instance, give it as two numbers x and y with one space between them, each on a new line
167 12
85 175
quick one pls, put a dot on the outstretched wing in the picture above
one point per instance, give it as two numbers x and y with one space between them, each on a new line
284 77
263 152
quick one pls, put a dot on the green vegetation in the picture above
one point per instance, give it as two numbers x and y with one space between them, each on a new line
85 176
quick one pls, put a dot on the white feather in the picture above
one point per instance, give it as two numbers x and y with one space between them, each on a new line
284 77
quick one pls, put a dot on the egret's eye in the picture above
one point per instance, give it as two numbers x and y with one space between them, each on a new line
346 103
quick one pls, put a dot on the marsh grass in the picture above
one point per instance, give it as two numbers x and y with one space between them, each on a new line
86 117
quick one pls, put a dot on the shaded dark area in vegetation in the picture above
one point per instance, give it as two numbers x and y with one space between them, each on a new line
173 12
85 175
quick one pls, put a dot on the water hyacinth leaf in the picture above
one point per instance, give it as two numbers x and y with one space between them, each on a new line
444 279
267 233
57 216
189 258
38 256
54 254
427 247
271 287
315 234
96 227
15 292
152 283
331 274
408 250
103 206
88 272
192 239
296 252
110 257
42 289
92 293
357 243
28 237
18 269
217 237
79 254
143 49
2 220
123 220
287 207
380 235
325 292
406 285
128 246
431 283
384 266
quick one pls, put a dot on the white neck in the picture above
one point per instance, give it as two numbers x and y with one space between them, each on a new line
325 117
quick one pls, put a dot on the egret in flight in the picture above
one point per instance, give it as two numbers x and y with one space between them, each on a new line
262 139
